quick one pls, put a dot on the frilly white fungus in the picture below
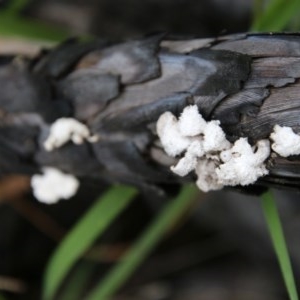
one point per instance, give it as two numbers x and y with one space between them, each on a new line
185 165
64 130
53 185
205 150
207 176
214 137
189 161
285 141
173 142
191 122
243 165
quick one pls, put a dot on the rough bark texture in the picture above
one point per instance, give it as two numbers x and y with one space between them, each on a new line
249 82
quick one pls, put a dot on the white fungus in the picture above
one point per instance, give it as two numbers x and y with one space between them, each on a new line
243 165
53 185
204 149
207 176
214 137
64 130
191 122
185 165
173 142
189 161
286 142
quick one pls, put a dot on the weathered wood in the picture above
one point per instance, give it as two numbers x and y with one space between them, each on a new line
249 82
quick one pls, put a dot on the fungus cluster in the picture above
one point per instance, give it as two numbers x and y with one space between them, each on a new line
203 148
53 185
285 141
199 146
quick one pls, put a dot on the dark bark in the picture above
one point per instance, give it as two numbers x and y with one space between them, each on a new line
249 82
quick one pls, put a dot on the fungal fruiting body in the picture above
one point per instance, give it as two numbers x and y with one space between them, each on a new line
241 164
64 130
53 185
203 148
285 141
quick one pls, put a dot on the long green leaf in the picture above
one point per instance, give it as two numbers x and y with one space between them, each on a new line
13 24
151 236
277 235
20 27
77 282
82 236
276 16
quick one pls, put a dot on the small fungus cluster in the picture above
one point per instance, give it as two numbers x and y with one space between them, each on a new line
64 130
53 185
285 141
202 147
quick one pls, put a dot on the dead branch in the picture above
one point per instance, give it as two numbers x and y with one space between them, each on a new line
249 82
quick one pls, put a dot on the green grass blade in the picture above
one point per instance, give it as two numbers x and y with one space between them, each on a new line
258 8
276 16
83 234
277 236
77 282
151 236
20 27
13 24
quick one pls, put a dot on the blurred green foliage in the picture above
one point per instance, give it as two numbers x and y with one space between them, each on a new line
273 221
12 24
173 211
77 282
275 15
82 236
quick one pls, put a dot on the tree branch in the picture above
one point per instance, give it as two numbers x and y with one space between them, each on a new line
249 82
